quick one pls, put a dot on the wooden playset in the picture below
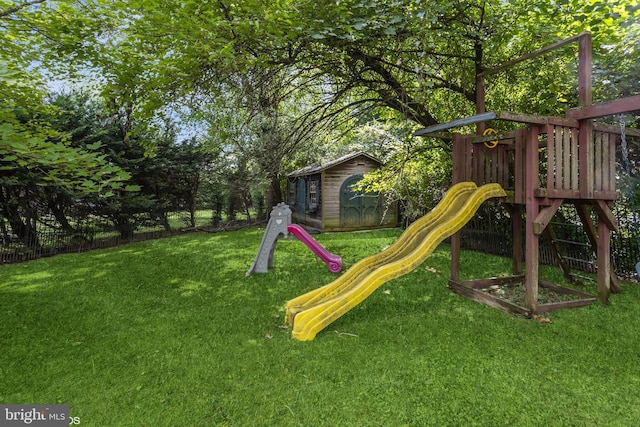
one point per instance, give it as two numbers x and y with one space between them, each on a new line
548 162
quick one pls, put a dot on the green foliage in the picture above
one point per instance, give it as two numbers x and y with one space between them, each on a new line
55 164
548 85
171 332
38 165
275 81
167 181
88 161
417 182
31 151
415 58
63 37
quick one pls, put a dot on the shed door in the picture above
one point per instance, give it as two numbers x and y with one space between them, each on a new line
358 210
301 199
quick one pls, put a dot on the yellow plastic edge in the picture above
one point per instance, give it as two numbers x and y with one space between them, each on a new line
309 322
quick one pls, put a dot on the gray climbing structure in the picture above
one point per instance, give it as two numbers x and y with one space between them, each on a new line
276 228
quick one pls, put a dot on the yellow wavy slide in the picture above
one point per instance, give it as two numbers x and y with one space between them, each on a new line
312 312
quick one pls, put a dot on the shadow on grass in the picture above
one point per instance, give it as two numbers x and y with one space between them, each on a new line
172 332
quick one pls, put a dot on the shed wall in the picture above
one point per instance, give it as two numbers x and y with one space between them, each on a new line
327 215
332 180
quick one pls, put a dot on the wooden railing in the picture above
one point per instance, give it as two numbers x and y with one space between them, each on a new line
474 161
571 172
574 172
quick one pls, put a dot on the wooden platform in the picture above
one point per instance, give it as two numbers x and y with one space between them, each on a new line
476 290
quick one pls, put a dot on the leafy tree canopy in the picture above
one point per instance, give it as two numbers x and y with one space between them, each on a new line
416 57
292 65
53 35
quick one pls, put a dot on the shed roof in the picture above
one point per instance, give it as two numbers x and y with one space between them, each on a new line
312 169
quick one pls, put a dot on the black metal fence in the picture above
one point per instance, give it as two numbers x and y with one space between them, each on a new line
490 231
45 236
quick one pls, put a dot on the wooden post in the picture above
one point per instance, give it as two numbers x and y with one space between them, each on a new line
515 212
585 94
585 98
532 242
592 235
519 166
459 167
604 261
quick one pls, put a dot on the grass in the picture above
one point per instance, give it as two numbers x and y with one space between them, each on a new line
171 333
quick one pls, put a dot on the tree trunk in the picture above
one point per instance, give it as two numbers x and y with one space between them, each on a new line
57 209
21 227
274 195
164 220
216 213
125 226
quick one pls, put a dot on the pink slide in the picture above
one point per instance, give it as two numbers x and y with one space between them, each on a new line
334 262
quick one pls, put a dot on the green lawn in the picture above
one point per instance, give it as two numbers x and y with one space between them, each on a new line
171 333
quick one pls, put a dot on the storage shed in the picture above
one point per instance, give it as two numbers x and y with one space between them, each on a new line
322 197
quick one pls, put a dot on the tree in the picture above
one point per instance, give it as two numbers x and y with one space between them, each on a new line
404 55
420 60
175 177
279 124
37 163
167 181
35 159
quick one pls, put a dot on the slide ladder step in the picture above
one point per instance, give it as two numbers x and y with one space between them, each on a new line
584 261
571 242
